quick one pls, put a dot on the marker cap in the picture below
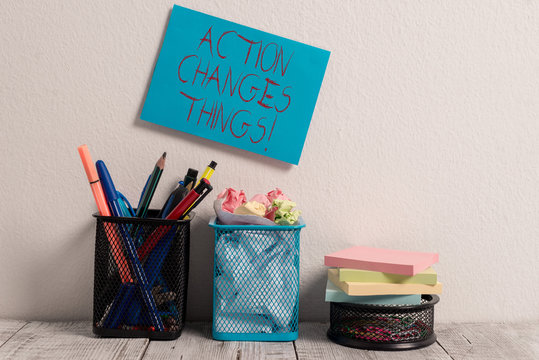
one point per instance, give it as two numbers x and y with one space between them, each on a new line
88 164
204 184
106 180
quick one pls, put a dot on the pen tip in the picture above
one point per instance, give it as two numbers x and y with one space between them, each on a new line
164 155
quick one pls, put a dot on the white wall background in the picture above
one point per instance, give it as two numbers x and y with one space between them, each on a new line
428 112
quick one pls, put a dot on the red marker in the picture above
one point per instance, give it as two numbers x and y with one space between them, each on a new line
181 210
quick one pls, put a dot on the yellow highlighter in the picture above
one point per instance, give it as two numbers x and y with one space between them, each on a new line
208 172
206 175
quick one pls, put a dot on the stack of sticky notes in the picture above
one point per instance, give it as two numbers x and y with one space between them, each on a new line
364 275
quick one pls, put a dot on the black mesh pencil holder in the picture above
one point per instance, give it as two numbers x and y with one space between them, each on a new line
140 276
383 327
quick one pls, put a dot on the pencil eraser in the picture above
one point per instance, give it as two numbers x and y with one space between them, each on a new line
88 164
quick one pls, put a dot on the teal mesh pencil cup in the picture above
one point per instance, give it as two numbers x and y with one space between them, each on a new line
256 282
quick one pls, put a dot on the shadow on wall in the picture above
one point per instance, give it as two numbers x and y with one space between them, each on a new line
47 285
311 295
200 286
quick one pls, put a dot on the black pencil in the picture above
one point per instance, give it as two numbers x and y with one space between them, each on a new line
152 185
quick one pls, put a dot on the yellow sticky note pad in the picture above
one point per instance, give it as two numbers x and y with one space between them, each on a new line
365 288
428 277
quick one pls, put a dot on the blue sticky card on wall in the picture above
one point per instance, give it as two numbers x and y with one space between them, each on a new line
235 85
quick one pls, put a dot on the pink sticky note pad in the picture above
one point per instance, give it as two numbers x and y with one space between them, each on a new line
383 260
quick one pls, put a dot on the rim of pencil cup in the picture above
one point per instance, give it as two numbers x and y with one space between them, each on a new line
431 301
120 219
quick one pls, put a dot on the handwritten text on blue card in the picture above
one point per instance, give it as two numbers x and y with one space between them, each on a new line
235 85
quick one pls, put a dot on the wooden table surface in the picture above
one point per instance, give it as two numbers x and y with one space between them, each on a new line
74 340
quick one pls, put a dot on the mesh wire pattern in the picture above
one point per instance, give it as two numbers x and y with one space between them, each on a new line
136 297
256 282
383 327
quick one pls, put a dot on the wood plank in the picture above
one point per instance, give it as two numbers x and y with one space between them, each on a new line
313 344
71 341
433 351
196 343
525 335
8 328
490 341
74 340
266 350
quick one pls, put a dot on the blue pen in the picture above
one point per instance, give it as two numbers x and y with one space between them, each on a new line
112 197
168 204
113 316
127 209
175 197
152 268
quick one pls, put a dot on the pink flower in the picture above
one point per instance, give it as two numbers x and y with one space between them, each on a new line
270 213
233 199
261 198
276 194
